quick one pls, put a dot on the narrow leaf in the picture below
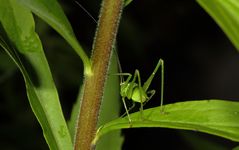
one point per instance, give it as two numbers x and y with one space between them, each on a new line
217 117
127 2
226 15
236 148
51 12
19 26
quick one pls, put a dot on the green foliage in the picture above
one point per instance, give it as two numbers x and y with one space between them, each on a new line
225 13
51 12
236 148
216 117
18 23
127 2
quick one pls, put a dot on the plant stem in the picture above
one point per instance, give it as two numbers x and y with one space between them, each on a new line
110 14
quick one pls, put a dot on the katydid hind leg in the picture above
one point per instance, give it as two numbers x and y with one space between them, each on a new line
162 85
149 80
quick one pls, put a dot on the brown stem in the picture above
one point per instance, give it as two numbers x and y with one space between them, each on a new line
94 85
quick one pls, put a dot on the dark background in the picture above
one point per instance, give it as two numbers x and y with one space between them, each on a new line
200 63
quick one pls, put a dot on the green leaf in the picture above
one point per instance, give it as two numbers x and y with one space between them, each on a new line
51 12
74 115
217 117
127 2
236 148
18 23
226 15
110 108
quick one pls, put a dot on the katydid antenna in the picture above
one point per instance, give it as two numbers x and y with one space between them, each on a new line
86 11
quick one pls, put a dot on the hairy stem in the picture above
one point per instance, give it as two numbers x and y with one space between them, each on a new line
94 84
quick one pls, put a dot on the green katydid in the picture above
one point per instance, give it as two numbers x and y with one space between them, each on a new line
132 88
